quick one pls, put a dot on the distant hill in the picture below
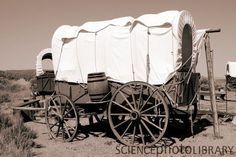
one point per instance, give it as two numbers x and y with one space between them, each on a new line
18 74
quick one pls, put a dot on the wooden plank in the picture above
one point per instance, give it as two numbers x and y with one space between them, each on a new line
220 113
29 108
94 103
216 93
27 103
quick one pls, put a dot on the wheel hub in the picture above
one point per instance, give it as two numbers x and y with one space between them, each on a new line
135 115
59 118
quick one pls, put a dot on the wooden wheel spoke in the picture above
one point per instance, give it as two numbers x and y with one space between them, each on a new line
60 102
141 132
121 93
140 95
58 129
67 131
55 112
67 118
67 113
134 132
68 125
133 98
149 131
120 114
63 134
121 123
56 106
147 100
55 124
151 108
153 115
63 112
121 106
159 128
126 129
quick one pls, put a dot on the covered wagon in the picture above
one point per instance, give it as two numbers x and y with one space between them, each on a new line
138 72
230 76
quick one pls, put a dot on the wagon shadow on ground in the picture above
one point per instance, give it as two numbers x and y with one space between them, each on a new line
181 131
98 129
175 130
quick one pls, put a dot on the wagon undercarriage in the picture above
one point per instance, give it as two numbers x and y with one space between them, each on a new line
137 112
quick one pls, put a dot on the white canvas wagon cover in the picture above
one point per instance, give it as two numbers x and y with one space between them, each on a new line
231 69
148 48
44 54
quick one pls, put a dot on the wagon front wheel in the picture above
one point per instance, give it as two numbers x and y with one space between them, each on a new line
138 114
61 118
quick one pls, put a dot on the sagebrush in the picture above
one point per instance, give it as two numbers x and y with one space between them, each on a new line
16 140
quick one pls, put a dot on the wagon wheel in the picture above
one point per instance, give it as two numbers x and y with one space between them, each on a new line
61 118
138 114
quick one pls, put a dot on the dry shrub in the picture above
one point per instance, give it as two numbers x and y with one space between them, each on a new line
5 121
15 88
18 85
2 87
16 140
4 83
11 90
13 85
22 82
12 151
4 97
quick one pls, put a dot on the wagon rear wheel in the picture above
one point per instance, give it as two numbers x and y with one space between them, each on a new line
138 114
61 118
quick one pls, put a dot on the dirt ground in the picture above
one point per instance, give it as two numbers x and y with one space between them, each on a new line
98 141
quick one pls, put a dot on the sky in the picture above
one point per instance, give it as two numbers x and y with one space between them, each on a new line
27 26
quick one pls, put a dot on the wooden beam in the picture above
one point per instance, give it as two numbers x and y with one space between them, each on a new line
30 102
213 30
29 108
210 71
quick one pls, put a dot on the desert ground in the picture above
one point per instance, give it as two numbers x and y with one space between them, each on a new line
97 140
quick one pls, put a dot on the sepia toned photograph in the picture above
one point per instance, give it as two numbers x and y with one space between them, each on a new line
127 78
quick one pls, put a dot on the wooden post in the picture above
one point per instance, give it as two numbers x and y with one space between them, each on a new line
210 71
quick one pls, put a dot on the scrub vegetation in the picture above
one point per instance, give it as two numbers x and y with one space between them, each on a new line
16 140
